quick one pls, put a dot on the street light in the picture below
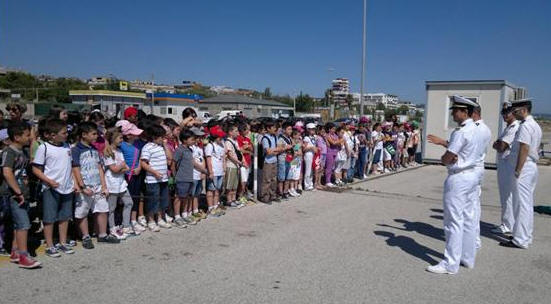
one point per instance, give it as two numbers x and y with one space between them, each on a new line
363 60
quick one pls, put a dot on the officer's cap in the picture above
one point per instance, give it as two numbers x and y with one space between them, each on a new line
521 102
460 102
507 108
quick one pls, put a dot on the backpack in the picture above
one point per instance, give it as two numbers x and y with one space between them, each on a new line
261 154
237 152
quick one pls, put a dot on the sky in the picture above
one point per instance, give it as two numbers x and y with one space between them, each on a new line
289 46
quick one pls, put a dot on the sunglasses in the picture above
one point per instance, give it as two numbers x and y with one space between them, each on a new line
12 109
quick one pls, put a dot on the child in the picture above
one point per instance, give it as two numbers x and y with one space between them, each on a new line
284 142
246 148
154 162
321 144
269 169
295 166
233 163
14 191
216 162
334 145
131 156
52 165
90 178
310 150
199 175
377 142
341 158
116 168
183 169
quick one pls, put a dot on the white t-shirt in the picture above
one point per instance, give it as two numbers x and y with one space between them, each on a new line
529 132
156 156
116 183
230 149
377 136
198 157
56 161
309 142
463 144
216 153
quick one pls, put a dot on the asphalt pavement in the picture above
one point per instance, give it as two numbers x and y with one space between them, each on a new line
370 244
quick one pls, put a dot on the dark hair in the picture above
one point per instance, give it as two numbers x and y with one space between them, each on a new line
17 129
339 129
230 127
242 127
154 119
54 125
42 127
55 110
268 124
22 108
96 116
155 131
171 123
184 135
329 126
286 125
376 125
86 127
187 112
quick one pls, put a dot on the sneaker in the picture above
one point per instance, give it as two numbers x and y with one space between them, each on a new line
365 176
439 269
142 221
180 222
163 224
168 218
25 261
153 227
52 252
111 239
201 214
501 229
64 249
330 185
293 193
285 196
138 229
299 191
71 243
87 243
197 217
117 232
14 256
215 213
129 231
190 220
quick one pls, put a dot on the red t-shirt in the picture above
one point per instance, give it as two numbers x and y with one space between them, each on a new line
240 141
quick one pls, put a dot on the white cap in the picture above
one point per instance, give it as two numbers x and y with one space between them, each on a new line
311 125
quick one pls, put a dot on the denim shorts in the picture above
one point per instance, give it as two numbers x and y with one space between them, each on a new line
215 184
156 197
19 214
283 170
56 207
197 188
184 189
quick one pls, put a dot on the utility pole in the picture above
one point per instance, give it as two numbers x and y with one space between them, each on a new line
152 93
363 60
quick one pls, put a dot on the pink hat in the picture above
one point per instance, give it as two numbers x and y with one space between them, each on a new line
128 128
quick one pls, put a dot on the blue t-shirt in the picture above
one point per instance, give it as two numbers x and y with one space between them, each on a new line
87 158
131 155
269 142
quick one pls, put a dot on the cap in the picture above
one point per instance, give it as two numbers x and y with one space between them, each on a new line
364 119
130 111
299 124
216 131
4 134
197 131
507 108
460 102
128 128
311 125
521 102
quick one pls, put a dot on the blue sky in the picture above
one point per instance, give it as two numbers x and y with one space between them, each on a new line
286 45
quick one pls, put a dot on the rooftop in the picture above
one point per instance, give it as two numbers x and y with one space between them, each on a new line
239 99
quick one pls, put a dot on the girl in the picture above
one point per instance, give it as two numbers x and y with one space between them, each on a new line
341 158
321 143
98 118
115 168
334 146
295 167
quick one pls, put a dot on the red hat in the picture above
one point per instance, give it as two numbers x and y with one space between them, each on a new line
216 131
130 111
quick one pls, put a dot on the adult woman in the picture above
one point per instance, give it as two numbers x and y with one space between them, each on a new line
16 111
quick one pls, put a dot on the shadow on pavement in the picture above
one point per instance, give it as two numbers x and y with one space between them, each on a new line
419 227
411 247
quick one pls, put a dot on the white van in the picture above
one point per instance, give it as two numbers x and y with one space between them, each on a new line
223 114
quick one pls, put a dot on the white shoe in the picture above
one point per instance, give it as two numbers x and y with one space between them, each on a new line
501 229
117 232
129 231
163 224
142 221
365 175
138 229
153 227
439 269
293 193
168 218
330 185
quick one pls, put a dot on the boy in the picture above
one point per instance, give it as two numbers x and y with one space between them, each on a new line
246 148
309 150
182 166
90 179
216 162
235 161
52 165
284 144
154 163
269 169
15 191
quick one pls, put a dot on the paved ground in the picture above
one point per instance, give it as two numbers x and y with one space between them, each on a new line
353 247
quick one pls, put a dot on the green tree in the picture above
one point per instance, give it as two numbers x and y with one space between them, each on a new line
380 106
403 110
350 102
304 103
267 93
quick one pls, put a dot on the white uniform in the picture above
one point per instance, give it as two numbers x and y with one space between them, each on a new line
529 133
459 208
309 142
483 136
505 171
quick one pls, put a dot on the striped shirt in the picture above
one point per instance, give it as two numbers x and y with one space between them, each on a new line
155 155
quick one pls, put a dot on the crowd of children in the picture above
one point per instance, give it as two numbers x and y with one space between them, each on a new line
92 176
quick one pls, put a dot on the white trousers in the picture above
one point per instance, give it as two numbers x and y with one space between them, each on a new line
460 220
479 171
505 175
523 204
308 173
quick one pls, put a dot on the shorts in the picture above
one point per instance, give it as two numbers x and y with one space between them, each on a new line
19 214
184 189
96 202
377 156
347 163
386 156
156 198
244 174
411 151
339 164
215 184
56 206
232 178
282 170
197 188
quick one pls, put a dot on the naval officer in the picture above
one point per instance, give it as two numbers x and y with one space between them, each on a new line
524 156
459 209
505 169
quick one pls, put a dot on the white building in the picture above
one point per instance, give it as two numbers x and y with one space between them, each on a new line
490 94
146 86
340 89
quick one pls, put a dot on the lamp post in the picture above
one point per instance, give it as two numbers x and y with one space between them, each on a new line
363 60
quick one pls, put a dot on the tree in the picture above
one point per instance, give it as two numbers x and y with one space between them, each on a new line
304 103
267 93
349 102
380 106
327 98
403 109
